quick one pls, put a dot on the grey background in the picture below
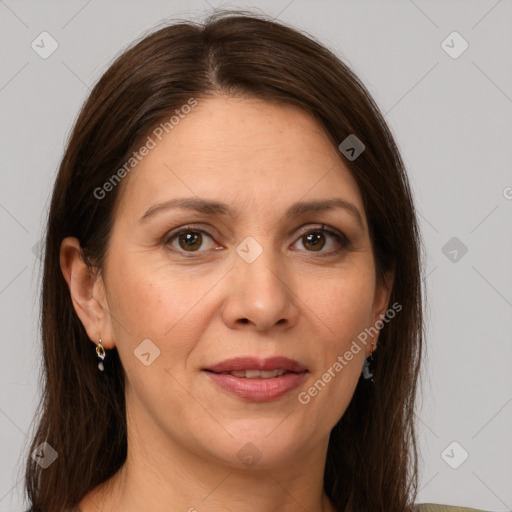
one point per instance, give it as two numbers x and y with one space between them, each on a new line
452 121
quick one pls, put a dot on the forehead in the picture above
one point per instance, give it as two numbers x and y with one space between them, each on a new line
246 152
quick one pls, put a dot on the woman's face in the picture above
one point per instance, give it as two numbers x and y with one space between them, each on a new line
245 280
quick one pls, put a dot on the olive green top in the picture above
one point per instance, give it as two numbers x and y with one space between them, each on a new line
431 507
422 507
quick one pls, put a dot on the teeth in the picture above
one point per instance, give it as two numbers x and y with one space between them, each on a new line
256 374
239 373
252 374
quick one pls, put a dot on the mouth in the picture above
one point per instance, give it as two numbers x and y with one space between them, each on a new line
257 380
255 374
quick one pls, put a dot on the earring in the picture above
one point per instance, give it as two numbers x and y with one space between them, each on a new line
367 372
100 351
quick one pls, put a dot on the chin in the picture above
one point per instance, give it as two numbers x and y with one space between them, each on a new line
261 444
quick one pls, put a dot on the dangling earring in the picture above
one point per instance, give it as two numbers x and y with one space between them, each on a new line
100 351
374 347
367 371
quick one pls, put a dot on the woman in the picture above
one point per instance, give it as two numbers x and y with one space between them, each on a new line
233 230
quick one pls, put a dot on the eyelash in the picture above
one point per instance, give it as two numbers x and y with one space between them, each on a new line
341 239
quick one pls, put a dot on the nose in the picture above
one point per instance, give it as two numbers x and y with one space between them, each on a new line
260 295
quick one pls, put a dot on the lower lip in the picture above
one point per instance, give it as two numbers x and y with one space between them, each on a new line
258 390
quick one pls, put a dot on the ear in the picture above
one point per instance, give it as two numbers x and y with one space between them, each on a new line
87 292
380 305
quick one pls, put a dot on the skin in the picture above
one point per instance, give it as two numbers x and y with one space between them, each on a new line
184 432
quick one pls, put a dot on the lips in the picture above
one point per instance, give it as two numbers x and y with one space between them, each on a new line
258 380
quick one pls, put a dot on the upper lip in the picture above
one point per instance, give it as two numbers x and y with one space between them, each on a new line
254 363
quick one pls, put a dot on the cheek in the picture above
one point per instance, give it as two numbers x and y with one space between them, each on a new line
341 311
343 308
150 302
150 297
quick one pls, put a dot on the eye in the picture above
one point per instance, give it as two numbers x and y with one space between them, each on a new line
316 239
188 239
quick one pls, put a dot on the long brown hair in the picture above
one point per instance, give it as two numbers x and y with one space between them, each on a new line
372 455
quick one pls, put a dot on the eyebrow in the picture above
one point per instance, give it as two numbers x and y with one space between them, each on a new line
219 209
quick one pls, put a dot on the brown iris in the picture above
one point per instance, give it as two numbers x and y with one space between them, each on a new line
314 240
191 240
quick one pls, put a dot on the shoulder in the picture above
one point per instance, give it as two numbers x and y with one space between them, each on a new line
431 507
